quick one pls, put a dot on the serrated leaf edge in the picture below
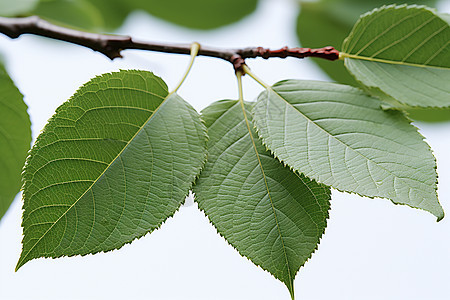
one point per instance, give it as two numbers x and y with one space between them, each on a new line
325 212
23 260
439 218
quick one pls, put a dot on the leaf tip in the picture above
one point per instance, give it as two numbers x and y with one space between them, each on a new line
20 263
290 287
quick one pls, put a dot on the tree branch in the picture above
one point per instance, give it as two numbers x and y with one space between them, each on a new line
112 45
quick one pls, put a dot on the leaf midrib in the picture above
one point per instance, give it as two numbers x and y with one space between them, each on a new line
391 62
270 197
355 41
22 259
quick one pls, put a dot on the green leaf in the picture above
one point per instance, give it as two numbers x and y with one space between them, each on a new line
15 139
113 12
93 15
73 13
271 215
405 52
349 11
197 14
339 136
329 22
429 115
112 164
317 27
12 8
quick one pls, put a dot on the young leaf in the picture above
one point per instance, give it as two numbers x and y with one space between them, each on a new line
15 139
112 164
271 215
339 136
405 52
197 14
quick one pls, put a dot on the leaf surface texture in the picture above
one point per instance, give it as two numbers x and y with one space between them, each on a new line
112 164
271 215
339 136
405 52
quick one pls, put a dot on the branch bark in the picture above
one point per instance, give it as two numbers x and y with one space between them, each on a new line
112 45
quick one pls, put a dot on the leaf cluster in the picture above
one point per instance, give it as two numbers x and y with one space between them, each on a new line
118 158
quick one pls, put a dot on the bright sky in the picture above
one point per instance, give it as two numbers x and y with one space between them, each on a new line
372 249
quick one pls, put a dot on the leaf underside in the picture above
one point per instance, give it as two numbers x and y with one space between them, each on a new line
15 139
270 214
339 136
112 164
405 52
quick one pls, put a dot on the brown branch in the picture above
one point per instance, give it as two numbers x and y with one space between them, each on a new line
112 45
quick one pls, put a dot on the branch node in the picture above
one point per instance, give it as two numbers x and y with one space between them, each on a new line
238 63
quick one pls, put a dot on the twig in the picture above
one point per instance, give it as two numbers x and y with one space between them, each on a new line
112 45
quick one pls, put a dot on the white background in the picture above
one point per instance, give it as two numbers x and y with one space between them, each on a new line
372 249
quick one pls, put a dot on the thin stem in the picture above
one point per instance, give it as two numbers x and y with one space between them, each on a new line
195 47
239 75
247 70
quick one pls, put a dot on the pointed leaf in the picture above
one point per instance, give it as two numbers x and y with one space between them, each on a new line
339 136
405 52
112 164
271 215
15 139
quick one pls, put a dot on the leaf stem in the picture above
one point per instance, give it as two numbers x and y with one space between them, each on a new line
239 75
247 70
195 47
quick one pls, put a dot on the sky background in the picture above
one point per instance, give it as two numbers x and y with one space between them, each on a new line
371 249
